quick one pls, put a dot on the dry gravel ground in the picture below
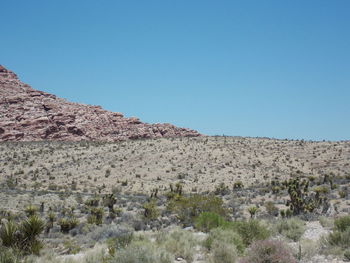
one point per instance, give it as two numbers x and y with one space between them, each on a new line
63 174
142 165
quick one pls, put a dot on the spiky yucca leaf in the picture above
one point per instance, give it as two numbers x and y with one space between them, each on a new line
8 234
31 228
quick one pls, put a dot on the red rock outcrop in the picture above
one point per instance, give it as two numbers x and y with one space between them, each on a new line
31 115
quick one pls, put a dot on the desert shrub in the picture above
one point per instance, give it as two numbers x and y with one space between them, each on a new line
188 208
306 249
222 252
68 224
96 216
271 209
93 201
227 236
326 222
151 211
207 221
31 210
342 223
119 242
105 232
8 255
178 242
339 239
8 215
142 252
292 228
238 185
71 246
250 230
96 255
271 251
347 254
222 189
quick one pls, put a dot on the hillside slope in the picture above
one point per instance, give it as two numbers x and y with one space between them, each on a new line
31 115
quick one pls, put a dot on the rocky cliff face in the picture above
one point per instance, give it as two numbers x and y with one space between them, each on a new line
31 115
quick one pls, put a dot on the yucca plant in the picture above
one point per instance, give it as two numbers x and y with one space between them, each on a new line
30 229
23 236
8 234
50 220
68 224
31 210
252 211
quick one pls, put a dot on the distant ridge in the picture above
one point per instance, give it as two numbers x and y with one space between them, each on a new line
31 115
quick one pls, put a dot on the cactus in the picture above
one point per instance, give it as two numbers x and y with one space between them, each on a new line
154 193
110 201
301 200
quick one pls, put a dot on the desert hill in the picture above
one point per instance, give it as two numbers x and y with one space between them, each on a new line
27 114
200 164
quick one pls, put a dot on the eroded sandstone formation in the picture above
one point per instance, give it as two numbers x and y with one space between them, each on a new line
31 115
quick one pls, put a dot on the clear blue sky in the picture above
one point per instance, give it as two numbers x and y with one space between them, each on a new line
248 68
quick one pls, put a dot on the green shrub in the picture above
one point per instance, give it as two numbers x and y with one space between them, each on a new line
71 247
93 201
250 230
188 208
207 221
342 223
292 228
238 185
8 256
31 210
227 236
151 211
180 243
96 216
271 251
271 209
68 224
339 239
307 249
142 252
119 242
326 221
347 254
222 252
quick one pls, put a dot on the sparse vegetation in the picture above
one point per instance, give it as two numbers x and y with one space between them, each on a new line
292 228
268 251
110 193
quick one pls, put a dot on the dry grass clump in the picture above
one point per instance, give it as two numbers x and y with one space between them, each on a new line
222 252
292 228
180 243
227 236
271 251
338 241
142 252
